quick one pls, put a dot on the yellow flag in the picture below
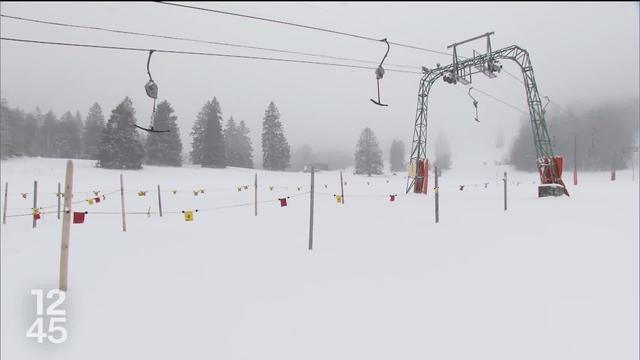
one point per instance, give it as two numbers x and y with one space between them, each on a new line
188 215
412 169
338 198
90 201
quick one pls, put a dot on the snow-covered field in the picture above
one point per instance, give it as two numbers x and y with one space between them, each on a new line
551 278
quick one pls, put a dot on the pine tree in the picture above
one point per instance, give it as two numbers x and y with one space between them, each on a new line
78 144
120 146
7 140
396 157
443 153
30 135
48 134
92 132
197 134
39 143
245 147
368 156
67 138
164 148
208 141
232 143
275 148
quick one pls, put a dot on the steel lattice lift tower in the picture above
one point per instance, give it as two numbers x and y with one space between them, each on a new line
549 166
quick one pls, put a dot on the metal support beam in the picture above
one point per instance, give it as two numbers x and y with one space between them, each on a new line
541 139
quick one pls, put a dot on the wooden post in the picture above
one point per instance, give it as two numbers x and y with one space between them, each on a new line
341 188
255 195
59 201
575 160
437 191
124 221
505 190
311 211
159 201
633 170
4 210
66 226
35 200
613 168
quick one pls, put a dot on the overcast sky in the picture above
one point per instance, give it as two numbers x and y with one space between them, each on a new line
582 54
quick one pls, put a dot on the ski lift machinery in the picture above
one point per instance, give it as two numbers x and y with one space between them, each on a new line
460 70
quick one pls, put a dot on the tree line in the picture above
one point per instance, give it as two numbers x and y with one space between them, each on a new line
117 144
605 135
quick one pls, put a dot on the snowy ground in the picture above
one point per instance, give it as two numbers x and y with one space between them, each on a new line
552 278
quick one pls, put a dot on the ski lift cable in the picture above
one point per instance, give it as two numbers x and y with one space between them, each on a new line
499 100
94 46
281 22
199 53
197 40
548 99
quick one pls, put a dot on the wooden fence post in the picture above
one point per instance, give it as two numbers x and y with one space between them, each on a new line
35 201
66 226
124 221
59 196
4 211
575 160
311 211
613 167
341 188
437 191
159 201
505 190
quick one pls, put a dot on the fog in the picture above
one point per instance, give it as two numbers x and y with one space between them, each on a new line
582 53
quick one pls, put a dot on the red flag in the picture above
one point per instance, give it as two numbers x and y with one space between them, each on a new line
283 202
97 199
78 217
392 197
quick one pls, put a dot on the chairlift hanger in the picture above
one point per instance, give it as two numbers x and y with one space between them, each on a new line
475 103
544 109
152 91
380 74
